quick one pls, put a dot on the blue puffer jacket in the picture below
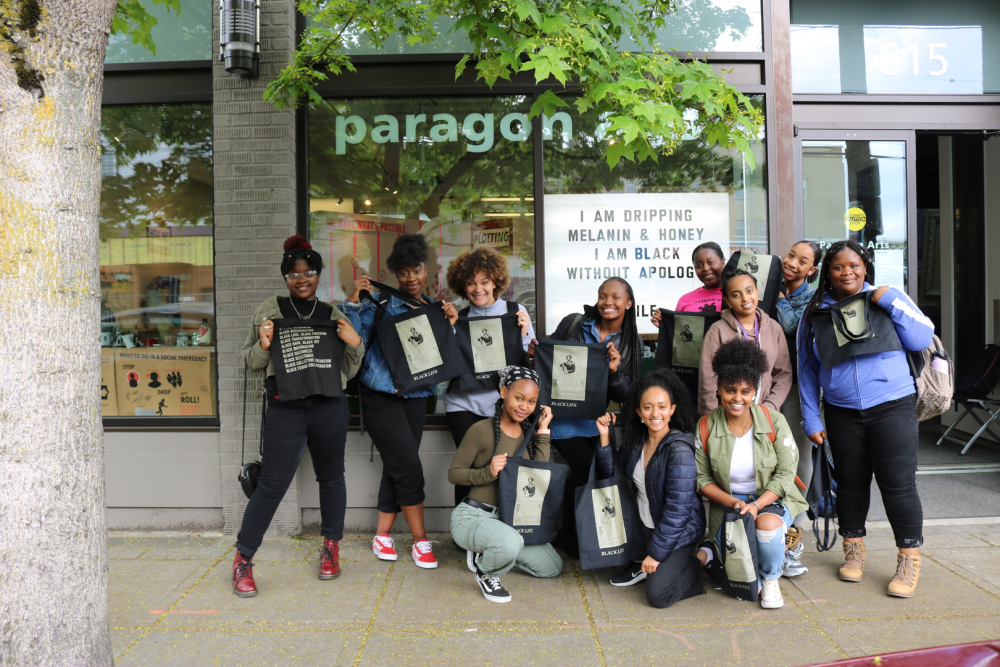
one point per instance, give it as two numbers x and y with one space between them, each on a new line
671 477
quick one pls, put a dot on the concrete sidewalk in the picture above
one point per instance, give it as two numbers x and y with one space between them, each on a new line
171 604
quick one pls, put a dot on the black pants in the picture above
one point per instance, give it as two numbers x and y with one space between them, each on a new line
881 440
579 453
459 423
319 423
677 578
396 426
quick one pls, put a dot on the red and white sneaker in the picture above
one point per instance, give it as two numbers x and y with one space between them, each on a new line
384 547
423 556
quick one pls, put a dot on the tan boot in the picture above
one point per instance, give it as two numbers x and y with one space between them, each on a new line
904 582
854 561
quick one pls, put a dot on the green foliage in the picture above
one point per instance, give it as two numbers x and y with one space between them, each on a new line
651 100
131 18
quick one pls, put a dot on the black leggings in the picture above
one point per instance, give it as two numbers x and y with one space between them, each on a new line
396 426
320 423
579 453
881 440
459 423
676 578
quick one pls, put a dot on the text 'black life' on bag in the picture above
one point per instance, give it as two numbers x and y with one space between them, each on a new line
574 377
306 356
419 346
488 344
531 493
608 528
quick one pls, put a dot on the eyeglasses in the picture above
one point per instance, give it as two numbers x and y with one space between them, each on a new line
309 275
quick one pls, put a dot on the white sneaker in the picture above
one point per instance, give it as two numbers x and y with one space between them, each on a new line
770 597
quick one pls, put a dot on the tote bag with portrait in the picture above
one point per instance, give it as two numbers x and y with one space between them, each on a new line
608 528
738 549
678 347
306 356
419 345
767 271
531 493
852 327
574 377
488 344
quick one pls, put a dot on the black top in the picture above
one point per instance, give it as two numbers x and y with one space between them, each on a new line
293 307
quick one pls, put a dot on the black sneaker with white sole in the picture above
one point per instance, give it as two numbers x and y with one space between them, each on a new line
630 576
471 560
491 587
715 569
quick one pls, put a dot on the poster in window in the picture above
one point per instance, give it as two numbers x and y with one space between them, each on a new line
164 382
419 344
488 351
608 515
569 373
109 393
689 336
532 485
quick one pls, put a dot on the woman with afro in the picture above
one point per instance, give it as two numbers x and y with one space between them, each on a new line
480 276
396 422
739 466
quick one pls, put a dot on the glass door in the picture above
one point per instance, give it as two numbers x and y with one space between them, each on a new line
860 185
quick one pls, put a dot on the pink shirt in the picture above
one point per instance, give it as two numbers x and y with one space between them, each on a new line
702 300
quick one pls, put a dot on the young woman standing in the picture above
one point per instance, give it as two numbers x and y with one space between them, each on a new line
708 263
481 276
871 420
396 423
317 422
745 321
612 322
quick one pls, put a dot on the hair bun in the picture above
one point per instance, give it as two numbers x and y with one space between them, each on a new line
296 242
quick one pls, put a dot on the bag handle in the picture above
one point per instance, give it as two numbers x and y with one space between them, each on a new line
613 444
528 438
772 436
397 293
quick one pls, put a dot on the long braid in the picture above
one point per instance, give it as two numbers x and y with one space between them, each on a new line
525 428
632 345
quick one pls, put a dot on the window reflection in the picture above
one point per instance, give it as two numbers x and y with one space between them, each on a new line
187 36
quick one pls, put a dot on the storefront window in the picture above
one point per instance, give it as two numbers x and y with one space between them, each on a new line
156 253
187 36
641 221
858 46
458 170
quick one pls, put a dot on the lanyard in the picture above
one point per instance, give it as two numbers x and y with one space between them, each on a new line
756 330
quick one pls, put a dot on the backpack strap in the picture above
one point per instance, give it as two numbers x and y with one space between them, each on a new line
703 427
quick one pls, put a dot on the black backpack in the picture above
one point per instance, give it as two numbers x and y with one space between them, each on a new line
979 376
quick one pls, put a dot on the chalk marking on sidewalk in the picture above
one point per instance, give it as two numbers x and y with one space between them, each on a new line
590 614
812 622
966 579
171 608
371 621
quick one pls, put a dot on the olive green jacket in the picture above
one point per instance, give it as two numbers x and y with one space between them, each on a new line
259 359
774 464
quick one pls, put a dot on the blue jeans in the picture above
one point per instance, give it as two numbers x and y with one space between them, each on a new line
770 554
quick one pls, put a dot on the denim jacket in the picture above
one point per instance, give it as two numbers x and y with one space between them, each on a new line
374 373
791 307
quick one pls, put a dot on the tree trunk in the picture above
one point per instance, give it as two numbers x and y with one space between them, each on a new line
53 534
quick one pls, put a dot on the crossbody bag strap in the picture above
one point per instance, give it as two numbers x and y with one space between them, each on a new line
263 410
243 436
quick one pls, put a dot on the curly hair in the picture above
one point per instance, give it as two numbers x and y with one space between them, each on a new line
463 268
739 361
664 378
296 248
409 250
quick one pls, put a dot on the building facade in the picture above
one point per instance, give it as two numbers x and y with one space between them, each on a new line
878 125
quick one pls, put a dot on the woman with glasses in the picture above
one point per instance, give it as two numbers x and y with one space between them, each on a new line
319 422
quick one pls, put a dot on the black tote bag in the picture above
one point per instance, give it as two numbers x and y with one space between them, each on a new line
766 269
531 493
306 356
739 555
419 346
822 497
852 327
488 344
574 378
608 528
682 335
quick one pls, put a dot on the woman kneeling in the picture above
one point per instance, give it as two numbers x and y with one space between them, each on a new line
749 460
494 547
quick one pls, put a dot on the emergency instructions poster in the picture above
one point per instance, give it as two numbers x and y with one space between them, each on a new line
647 239
164 382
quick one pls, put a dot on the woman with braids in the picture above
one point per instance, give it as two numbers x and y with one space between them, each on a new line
395 423
708 263
481 276
494 548
317 422
869 401
612 322
745 321
739 466
657 454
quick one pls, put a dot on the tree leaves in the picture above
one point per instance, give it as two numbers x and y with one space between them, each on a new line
131 18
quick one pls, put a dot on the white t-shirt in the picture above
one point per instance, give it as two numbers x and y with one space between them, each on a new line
639 477
741 473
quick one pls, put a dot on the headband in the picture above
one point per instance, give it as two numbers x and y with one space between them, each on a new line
512 374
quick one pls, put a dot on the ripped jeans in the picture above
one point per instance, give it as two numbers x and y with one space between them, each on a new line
770 547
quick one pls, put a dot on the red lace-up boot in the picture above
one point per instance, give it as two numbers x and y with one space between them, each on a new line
243 583
329 560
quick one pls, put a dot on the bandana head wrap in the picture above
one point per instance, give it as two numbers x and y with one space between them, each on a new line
512 374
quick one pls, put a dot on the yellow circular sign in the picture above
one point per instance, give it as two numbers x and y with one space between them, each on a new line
855 219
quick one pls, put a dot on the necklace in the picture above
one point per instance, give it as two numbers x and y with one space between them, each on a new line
301 316
746 427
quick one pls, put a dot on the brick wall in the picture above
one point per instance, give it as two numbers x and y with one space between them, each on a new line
254 212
